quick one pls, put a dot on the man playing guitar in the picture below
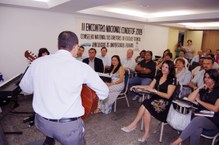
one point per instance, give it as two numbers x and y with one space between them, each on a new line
56 81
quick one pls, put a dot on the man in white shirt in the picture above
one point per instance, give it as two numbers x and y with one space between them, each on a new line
197 81
80 53
56 81
197 57
196 70
129 63
105 58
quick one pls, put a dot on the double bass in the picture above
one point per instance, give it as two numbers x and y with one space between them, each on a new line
88 96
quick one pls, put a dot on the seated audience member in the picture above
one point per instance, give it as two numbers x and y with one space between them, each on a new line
158 105
80 53
198 68
183 76
105 58
178 48
161 60
196 58
168 56
207 52
216 57
115 87
215 65
197 81
182 55
207 97
145 72
129 63
93 61
140 57
43 52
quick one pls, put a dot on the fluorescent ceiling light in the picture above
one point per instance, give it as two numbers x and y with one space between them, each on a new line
171 13
201 25
127 12
147 15
45 1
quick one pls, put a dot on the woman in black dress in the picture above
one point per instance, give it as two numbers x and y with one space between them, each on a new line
162 88
207 97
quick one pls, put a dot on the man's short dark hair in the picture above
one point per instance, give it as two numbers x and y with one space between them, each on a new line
93 50
82 47
189 40
104 48
182 51
209 58
150 52
67 40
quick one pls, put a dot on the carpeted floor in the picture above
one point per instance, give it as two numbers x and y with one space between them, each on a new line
100 129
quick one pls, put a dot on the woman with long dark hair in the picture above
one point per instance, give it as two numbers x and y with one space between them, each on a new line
115 87
207 97
43 52
158 105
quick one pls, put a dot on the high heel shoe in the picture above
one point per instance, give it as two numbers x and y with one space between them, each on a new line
96 111
141 140
127 130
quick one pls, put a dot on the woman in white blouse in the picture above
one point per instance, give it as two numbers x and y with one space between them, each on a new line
183 76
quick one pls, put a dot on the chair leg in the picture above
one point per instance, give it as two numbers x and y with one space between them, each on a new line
142 121
161 132
215 140
142 124
143 98
115 106
127 101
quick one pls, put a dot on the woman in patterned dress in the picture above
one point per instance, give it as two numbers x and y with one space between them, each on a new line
162 88
115 87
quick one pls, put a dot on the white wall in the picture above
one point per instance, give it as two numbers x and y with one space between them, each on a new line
156 39
22 29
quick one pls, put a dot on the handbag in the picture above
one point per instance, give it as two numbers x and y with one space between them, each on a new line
179 116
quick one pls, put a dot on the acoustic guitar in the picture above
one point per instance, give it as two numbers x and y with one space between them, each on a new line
88 96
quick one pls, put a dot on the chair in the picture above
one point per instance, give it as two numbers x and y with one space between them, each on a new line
175 95
156 57
123 94
211 134
185 90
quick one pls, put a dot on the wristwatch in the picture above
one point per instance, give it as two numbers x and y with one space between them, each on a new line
155 91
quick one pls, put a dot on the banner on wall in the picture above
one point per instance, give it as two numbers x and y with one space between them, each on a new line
98 35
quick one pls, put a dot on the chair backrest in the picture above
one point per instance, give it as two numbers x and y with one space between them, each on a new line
126 81
185 90
177 91
210 133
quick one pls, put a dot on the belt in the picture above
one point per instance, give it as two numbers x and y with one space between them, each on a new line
63 120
